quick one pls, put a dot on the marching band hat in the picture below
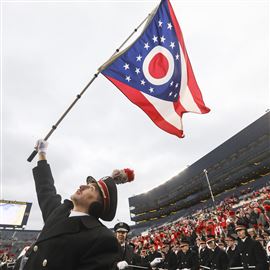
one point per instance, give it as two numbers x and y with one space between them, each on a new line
240 227
210 238
121 227
201 240
108 191
230 237
184 242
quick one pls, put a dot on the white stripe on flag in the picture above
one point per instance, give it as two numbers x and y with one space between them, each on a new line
186 98
166 110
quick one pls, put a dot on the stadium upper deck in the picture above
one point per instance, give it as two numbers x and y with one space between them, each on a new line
244 157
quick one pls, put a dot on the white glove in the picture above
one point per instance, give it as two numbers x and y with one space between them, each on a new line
122 265
41 146
156 261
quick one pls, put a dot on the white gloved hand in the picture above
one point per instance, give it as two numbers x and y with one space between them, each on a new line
156 261
41 146
122 265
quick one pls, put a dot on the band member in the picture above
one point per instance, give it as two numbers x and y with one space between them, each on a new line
170 258
203 252
187 258
127 256
232 252
73 238
218 258
251 251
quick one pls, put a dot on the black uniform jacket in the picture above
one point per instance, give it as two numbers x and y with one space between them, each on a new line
127 254
218 259
234 257
204 256
170 261
252 254
188 260
67 243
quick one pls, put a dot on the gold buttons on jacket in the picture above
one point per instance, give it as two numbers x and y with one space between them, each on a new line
35 248
44 263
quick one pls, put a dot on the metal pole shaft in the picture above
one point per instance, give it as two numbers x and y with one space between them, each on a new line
210 189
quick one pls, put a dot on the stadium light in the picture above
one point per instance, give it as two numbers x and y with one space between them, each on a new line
210 189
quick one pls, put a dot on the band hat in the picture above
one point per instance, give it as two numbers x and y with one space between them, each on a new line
210 239
121 227
202 241
108 191
240 227
230 237
184 242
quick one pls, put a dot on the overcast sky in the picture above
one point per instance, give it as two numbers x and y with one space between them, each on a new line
51 49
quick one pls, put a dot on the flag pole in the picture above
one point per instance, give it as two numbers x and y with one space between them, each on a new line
33 154
210 189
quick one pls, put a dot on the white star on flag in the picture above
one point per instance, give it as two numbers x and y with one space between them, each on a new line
176 85
128 78
126 66
172 45
170 94
151 89
177 57
142 82
171 83
146 46
160 23
137 70
162 39
139 57
169 26
155 39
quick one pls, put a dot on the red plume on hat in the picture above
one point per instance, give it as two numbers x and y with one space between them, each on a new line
123 176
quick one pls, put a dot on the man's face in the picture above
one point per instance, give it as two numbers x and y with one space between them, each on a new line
211 244
251 232
84 195
241 234
165 249
121 236
202 245
229 242
184 248
221 246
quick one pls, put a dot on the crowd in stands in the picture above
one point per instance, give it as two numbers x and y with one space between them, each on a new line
251 209
12 243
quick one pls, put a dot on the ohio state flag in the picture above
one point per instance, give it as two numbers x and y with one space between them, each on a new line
155 73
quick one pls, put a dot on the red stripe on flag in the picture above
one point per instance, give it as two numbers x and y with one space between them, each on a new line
191 81
141 101
180 110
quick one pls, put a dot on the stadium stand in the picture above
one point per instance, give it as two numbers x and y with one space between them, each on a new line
243 158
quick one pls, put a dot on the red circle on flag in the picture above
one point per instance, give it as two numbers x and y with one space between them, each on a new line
158 66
